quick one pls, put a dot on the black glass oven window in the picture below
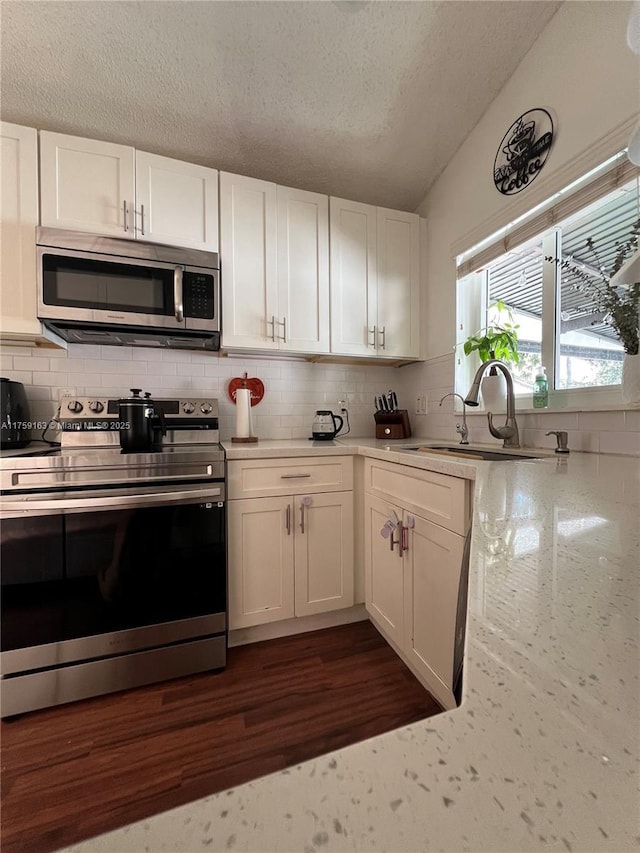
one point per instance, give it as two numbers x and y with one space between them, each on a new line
32 573
107 286
110 571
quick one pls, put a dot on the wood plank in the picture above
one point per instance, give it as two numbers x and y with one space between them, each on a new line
72 772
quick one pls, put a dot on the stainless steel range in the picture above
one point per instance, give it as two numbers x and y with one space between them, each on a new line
113 564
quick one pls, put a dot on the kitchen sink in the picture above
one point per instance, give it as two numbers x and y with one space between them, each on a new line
472 453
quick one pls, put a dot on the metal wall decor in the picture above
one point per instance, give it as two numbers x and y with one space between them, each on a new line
523 151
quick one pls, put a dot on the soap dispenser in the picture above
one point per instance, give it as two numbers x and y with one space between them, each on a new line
541 389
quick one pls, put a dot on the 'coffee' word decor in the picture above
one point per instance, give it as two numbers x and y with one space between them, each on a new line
523 152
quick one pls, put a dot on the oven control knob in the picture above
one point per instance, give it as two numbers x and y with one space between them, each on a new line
188 408
96 406
75 406
206 408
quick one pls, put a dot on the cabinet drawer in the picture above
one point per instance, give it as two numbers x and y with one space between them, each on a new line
256 478
440 498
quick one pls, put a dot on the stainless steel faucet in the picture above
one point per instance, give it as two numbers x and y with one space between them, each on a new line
509 432
462 429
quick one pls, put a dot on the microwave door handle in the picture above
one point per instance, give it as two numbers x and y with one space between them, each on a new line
177 294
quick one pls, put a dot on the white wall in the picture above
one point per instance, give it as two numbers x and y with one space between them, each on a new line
582 71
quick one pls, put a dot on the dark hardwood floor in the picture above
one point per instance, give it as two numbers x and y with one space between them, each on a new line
72 772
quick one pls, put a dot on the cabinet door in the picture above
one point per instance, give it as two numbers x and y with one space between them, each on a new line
176 202
432 577
353 277
260 557
323 552
384 596
18 220
398 284
248 252
87 185
303 270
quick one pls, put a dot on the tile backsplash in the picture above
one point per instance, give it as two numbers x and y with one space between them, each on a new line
593 432
293 389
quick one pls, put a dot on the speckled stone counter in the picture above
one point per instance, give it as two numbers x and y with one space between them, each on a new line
543 752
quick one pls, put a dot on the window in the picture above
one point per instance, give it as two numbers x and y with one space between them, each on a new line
545 270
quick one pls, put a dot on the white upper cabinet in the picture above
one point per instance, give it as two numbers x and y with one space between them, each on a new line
375 287
103 188
87 185
275 255
248 232
18 221
176 202
353 277
303 270
398 314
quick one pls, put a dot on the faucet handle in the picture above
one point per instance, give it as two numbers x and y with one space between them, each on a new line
562 439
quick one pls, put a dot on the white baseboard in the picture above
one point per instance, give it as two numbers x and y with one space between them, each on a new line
288 627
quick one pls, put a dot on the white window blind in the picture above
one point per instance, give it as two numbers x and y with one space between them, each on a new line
613 174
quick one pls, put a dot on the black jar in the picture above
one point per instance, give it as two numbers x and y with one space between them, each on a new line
141 424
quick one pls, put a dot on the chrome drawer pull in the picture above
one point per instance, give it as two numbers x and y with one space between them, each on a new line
294 476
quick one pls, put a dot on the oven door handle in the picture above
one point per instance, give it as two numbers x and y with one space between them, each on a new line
46 506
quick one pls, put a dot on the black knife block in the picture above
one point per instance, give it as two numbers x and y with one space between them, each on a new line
393 424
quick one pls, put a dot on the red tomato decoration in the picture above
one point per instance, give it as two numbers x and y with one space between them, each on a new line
254 384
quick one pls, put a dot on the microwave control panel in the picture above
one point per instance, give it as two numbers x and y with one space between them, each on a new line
198 290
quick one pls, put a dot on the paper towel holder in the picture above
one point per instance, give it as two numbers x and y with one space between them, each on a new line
251 386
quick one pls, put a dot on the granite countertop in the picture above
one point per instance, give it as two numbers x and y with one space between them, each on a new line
542 753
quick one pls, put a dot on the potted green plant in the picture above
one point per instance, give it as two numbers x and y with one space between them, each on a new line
499 339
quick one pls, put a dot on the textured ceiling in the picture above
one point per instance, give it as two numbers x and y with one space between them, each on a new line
366 100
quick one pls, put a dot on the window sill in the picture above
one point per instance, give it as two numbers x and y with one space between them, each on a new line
597 407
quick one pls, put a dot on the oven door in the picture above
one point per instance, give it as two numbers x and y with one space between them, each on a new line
84 576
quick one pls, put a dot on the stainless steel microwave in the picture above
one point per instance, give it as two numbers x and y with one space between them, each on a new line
101 290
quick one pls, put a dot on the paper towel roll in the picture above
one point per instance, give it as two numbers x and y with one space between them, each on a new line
243 413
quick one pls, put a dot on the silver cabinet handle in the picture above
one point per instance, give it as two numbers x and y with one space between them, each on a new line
283 323
288 519
124 210
399 541
177 294
272 323
301 518
294 476
371 331
404 539
383 332
142 219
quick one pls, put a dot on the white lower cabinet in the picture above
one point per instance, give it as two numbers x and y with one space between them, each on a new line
384 577
260 561
292 554
432 563
413 567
